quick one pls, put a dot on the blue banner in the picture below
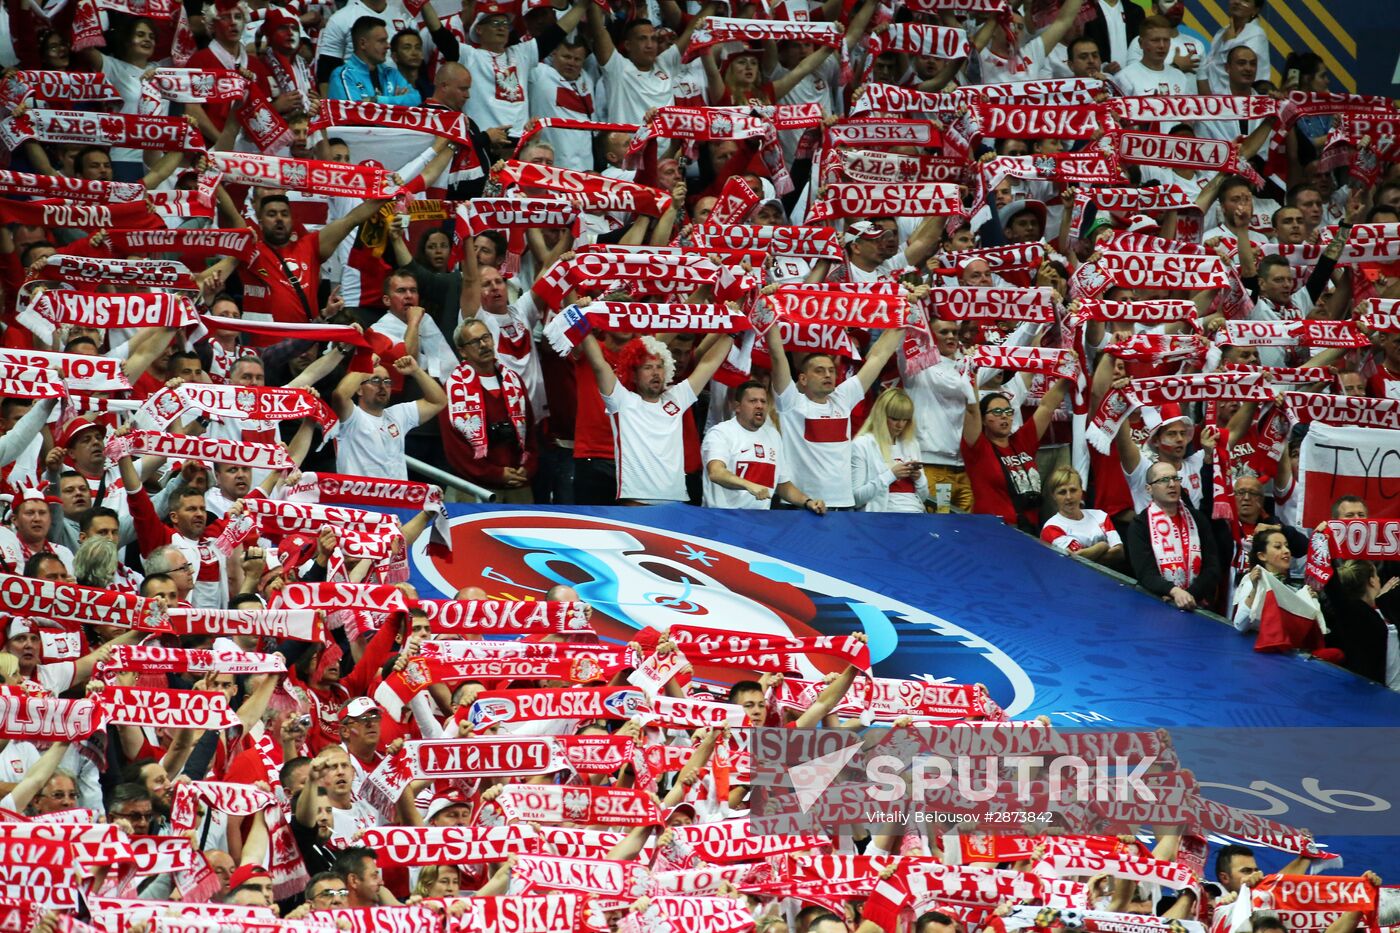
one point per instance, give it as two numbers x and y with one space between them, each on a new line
957 598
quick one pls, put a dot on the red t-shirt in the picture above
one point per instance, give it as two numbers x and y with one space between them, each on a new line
266 288
1383 385
593 436
988 467
207 60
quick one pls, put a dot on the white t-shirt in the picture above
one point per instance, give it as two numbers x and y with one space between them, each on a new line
1182 44
12 551
552 95
817 441
751 455
18 757
1137 80
500 85
1073 534
372 445
1034 64
1117 29
632 92
648 442
874 484
941 395
348 823
126 78
1266 310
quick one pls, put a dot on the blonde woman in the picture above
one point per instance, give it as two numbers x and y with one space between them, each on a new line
438 881
885 466
1088 533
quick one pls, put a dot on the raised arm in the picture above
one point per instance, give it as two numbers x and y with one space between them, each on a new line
1057 30
877 358
603 46
1045 411
781 369
434 398
709 363
784 85
602 372
337 230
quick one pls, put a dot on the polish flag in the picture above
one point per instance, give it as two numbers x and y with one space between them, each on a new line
1291 619
1348 460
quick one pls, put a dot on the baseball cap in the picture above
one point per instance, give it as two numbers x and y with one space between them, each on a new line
1168 414
445 802
358 707
244 874
19 625
861 230
75 427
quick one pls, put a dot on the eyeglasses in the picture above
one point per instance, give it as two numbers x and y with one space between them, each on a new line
331 892
136 816
378 381
1168 480
364 719
185 567
1008 412
496 23
1248 494
483 339
60 795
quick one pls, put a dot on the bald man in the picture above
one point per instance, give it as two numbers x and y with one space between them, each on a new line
466 177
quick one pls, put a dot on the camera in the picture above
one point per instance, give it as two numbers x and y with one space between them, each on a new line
500 432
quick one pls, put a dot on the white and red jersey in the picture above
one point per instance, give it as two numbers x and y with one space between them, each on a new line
817 441
755 456
1383 384
648 444
500 85
16 553
1075 534
514 333
552 95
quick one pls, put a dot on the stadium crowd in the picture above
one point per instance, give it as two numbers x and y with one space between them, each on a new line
1064 263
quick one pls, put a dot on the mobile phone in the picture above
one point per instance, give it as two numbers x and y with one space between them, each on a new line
304 720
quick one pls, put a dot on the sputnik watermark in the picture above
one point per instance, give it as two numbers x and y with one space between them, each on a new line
980 779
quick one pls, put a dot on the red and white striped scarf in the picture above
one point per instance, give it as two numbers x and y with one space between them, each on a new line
447 845
1371 539
1159 390
875 167
73 189
717 30
1382 314
986 303
1313 333
440 122
190 86
277 624
59 87
1178 557
261 122
157 708
59 212
466 405
580 804
1193 108
131 273
199 660
1184 152
1305 407
202 244
506 617
803 242
919 39
736 199
840 305
261 404
79 371
606 268
1042 361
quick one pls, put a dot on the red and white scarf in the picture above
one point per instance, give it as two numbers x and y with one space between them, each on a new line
514 216
1042 361
707 644
1313 333
803 242
1154 270
340 596
840 305
158 708
506 617
736 199
79 371
1371 539
60 87
736 840
276 624
278 517
262 124
1178 557
28 718
589 190
717 30
1134 200
58 212
1159 390
608 877
187 447
70 602
1184 152
1160 311
1306 407
651 270
262 404
1029 120
978 303
1381 314
875 167
466 405
233 799
1159 348
857 199
1193 108
919 39
132 273
191 86
493 707
312 176
545 803
882 132
201 244
199 660
339 489
447 845
515 913
278 330
441 122
74 127
73 189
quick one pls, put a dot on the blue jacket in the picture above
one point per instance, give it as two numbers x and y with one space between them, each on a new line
352 81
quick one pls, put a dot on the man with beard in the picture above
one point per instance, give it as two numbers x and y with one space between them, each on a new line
743 459
371 430
283 277
151 775
30 534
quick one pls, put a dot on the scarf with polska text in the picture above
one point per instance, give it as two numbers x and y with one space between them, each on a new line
225 797
187 447
58 307
40 385
695 913
341 596
1015 262
276 624
280 330
1043 361
703 124
190 86
72 189
873 166
717 30
514 216
310 176
131 273
1089 167
1159 311
702 644
1163 149
1192 108
997 120
1172 272
1159 348
564 123
83 215
1288 376
989 303
879 132
857 199
198 660
447 845
1155 200
466 404
1313 893
605 269
447 124
26 717
201 244
533 874
580 804
871 305
262 124
589 190
278 517
338 489
57 87
1119 403
802 242
506 617
1048 91
1373 539
883 699
570 326
75 127
999 9
1309 332
261 404
161 708
736 199
1382 314
1307 407
79 371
